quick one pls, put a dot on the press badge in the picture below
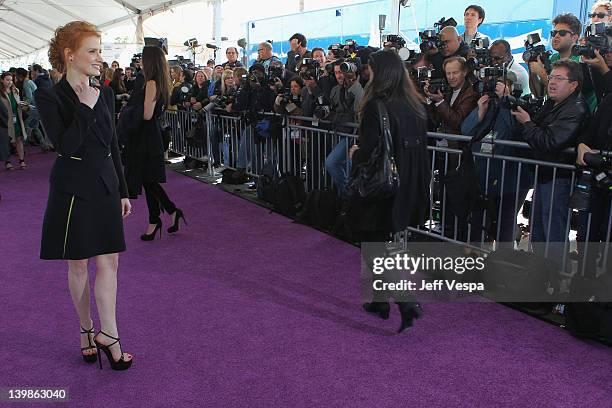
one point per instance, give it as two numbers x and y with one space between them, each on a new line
487 143
442 143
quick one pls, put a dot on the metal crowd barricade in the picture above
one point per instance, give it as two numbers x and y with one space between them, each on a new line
303 144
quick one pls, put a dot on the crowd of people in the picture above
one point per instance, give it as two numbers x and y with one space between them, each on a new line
457 84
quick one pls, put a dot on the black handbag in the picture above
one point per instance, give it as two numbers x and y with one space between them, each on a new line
376 179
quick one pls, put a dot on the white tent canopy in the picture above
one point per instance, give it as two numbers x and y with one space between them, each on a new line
27 25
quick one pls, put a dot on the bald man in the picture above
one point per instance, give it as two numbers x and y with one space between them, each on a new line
452 46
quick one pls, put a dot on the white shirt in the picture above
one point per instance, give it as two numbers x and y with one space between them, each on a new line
521 75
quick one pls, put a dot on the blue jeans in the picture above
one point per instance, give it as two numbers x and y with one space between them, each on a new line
338 165
557 215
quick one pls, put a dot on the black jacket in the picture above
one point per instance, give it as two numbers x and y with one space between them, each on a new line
554 130
598 135
410 205
88 163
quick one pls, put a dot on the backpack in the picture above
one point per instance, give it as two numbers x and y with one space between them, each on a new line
288 195
518 277
267 176
321 209
587 317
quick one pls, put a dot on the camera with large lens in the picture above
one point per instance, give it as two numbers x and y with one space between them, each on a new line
185 92
310 69
596 36
275 72
322 108
529 103
598 173
223 101
534 50
482 57
351 65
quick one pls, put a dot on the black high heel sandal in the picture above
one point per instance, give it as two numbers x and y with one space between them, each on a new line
118 365
409 312
151 236
88 358
175 227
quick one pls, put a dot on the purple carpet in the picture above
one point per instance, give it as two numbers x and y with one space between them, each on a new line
245 308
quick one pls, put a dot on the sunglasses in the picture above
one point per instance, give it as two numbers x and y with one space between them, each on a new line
562 33
600 15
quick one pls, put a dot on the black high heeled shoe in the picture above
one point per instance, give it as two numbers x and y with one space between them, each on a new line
118 365
178 215
88 358
151 236
378 308
409 312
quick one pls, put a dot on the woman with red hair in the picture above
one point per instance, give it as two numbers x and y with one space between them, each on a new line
88 193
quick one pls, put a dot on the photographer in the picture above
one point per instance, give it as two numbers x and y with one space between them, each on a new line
232 58
254 96
601 12
298 44
565 34
597 136
493 116
556 128
473 17
452 45
501 53
449 110
290 103
345 101
121 93
265 56
129 79
198 95
182 83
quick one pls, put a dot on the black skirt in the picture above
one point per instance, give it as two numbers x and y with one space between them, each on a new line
74 228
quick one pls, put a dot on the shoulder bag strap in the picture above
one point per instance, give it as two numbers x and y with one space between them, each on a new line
386 139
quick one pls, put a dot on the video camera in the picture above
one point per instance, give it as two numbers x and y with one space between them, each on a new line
430 39
310 69
436 82
480 47
350 47
596 36
487 78
534 49
337 50
598 173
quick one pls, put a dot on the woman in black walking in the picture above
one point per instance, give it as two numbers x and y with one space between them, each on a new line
375 221
87 194
145 150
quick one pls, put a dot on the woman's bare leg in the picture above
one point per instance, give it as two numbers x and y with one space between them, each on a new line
78 283
106 300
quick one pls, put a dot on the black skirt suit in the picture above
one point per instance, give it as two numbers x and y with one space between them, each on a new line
83 215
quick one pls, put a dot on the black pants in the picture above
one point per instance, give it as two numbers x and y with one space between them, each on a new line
157 201
593 247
